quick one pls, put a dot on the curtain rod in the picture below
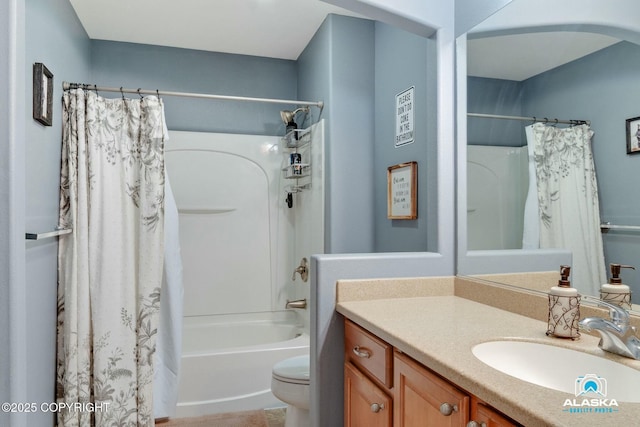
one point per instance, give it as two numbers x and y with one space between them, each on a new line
67 86
606 226
530 119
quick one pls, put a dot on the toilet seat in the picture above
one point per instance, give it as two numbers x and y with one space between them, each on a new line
294 370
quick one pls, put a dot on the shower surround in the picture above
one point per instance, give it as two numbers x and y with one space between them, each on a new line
240 244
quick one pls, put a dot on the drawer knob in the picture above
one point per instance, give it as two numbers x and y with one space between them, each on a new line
377 407
361 352
476 424
447 409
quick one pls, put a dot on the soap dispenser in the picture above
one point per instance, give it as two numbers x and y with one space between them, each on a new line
564 308
615 292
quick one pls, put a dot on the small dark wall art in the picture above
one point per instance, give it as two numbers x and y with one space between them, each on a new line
633 135
42 94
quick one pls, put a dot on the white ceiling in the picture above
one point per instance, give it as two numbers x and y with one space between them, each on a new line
520 56
282 28
270 28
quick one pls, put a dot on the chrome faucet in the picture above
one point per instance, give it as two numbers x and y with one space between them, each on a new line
616 335
302 270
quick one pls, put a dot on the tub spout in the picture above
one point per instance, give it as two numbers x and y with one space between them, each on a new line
299 303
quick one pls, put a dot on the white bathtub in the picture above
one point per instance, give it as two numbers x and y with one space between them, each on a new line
227 360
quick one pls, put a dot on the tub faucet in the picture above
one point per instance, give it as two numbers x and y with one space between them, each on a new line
616 335
302 270
299 303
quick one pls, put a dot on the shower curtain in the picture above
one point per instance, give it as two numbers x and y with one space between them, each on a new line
111 266
169 341
562 208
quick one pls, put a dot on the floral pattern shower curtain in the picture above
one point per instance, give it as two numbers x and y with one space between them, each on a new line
110 267
567 195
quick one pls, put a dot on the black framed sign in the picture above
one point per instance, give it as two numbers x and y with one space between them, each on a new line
42 94
633 135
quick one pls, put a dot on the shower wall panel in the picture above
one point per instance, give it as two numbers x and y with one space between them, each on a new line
497 188
233 230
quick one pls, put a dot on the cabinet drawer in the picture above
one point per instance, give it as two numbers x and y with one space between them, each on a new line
369 353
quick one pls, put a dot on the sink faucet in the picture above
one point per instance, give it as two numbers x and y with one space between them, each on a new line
616 335
302 270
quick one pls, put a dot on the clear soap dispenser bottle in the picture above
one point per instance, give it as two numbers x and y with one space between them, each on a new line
564 308
615 292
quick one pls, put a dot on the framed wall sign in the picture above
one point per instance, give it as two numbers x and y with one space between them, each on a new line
402 191
633 135
405 117
42 94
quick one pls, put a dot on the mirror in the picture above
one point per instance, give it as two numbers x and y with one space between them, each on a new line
584 68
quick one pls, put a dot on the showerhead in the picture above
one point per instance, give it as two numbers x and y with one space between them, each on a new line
288 116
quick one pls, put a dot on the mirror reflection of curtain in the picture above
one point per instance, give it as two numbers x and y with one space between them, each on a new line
567 200
111 266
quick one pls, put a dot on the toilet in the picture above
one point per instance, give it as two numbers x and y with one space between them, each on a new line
290 383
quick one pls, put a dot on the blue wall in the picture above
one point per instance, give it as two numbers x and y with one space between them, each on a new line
403 60
55 37
314 82
12 250
598 87
133 65
358 67
338 63
494 96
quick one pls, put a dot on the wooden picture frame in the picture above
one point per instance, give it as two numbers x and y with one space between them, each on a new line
402 191
42 94
633 135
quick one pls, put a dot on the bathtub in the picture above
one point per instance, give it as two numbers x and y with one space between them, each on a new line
227 360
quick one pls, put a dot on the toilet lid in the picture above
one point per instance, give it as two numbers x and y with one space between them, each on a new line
293 370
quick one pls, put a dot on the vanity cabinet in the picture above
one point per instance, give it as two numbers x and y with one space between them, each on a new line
385 387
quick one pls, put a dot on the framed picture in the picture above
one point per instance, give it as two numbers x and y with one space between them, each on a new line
633 135
42 94
402 191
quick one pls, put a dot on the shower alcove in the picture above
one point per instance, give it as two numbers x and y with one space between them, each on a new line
240 244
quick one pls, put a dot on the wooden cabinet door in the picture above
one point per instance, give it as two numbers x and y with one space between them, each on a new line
421 398
365 405
486 416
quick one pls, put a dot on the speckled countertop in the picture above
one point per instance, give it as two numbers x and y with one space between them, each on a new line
440 330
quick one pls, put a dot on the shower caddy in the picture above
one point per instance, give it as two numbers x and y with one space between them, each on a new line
294 140
298 170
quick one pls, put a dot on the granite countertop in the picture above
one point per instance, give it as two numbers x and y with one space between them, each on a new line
440 331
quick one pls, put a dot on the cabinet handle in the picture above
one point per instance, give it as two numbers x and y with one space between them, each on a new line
447 409
361 352
377 407
476 424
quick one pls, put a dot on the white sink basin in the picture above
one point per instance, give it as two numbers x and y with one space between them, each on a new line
562 369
